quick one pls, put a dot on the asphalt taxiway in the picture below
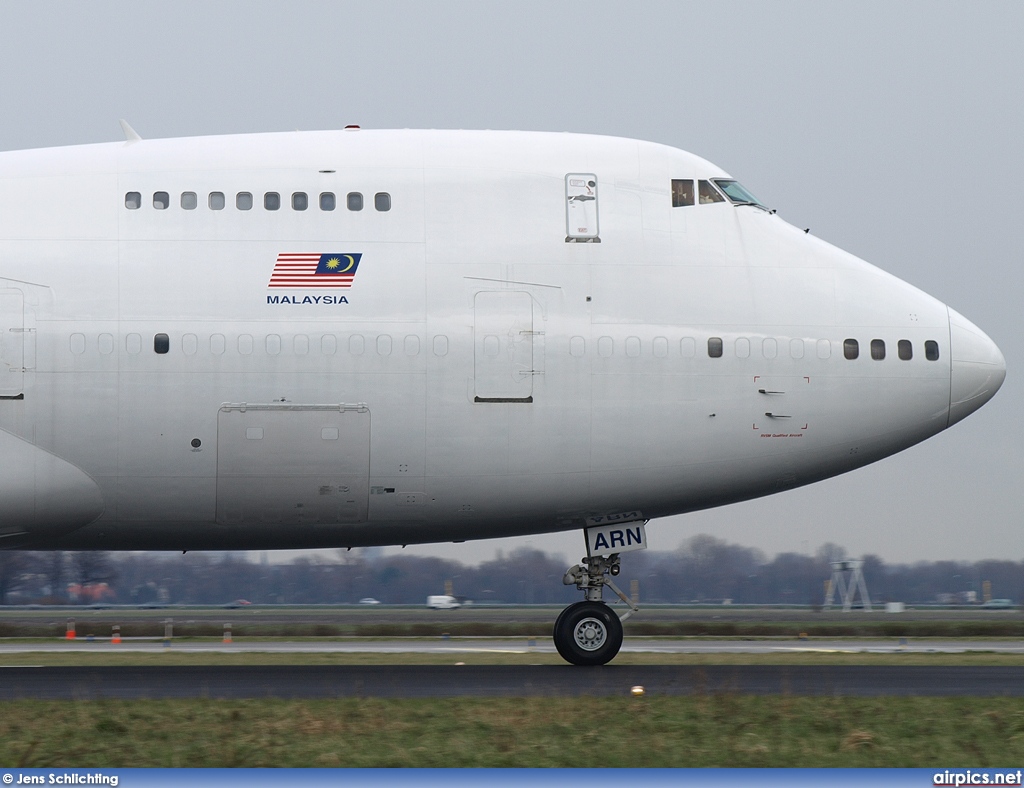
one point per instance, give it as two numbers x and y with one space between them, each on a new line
435 681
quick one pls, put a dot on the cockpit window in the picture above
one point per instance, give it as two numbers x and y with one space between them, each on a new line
682 193
736 193
708 193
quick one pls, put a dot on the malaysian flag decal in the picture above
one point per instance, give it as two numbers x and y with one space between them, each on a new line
314 270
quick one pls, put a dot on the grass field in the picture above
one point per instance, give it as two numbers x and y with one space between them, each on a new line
702 730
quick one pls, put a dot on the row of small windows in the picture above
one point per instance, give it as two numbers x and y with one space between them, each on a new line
244 201
273 344
904 349
851 348
384 346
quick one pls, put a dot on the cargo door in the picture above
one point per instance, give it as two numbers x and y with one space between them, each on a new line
298 464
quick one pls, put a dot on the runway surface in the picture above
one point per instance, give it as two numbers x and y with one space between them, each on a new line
435 681
477 645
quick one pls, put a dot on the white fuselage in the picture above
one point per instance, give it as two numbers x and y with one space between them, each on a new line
530 338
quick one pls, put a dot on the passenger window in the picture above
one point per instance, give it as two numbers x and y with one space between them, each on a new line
931 350
189 201
133 201
770 347
161 200
905 350
216 201
161 343
878 349
682 193
382 201
272 201
708 193
796 348
577 347
659 347
742 348
243 201
688 347
824 349
300 201
851 348
605 347
715 347
327 201
355 201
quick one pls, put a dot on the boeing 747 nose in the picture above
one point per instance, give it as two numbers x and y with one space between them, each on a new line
977 367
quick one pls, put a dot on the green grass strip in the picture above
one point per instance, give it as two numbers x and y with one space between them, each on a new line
703 730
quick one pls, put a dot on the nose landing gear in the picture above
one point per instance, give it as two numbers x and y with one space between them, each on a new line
589 632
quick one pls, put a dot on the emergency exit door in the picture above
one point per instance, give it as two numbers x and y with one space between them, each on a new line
581 208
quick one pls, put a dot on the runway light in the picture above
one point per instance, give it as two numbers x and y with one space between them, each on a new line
637 691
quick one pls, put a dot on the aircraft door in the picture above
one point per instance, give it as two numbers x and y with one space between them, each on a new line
581 208
12 344
503 346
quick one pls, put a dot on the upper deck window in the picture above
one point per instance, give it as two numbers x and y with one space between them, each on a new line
133 201
161 200
354 201
382 201
300 201
243 201
708 193
272 201
327 201
216 201
189 201
682 193
736 193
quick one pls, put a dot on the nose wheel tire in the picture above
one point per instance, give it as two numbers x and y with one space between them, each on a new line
588 633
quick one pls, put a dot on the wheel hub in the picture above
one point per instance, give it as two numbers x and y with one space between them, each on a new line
590 634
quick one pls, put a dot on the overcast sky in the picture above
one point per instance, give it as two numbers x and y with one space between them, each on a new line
893 130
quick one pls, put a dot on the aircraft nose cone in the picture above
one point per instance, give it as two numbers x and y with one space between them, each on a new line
977 367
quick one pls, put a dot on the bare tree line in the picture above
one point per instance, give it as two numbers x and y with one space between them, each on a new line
703 569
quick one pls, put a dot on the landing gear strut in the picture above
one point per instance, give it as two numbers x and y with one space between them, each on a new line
589 632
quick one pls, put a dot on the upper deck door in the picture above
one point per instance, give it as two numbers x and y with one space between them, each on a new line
581 208
503 346
12 344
